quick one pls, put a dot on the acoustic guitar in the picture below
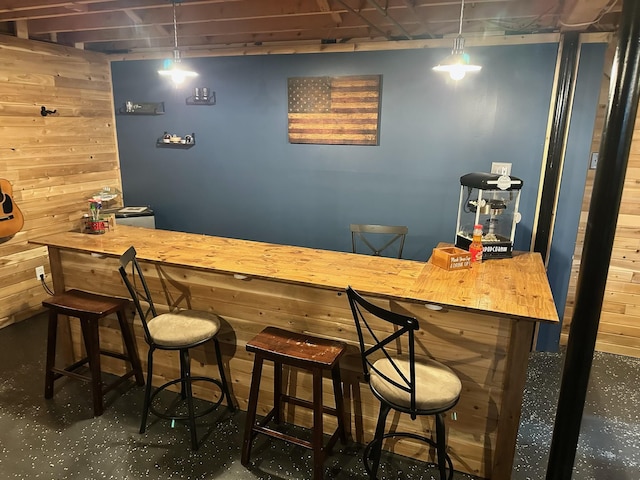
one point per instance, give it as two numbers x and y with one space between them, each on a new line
11 219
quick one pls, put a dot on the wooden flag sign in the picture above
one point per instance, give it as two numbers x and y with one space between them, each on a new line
334 110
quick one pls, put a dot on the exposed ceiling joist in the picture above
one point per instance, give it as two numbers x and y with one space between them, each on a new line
111 26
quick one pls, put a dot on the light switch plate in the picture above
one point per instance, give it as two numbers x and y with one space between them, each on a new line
594 161
501 168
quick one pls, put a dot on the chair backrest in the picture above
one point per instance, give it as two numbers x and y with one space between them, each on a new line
376 343
389 234
139 290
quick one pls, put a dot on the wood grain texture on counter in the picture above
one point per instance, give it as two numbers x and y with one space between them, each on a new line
251 285
515 287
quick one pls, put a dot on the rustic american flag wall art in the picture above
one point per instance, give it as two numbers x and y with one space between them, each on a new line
335 110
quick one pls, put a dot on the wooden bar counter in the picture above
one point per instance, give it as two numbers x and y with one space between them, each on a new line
478 321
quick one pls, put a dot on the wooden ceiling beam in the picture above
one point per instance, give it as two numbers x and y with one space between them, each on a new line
411 6
578 14
187 13
385 13
166 46
138 24
212 29
325 7
22 29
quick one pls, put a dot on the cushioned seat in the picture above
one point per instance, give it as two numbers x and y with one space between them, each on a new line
178 331
402 383
183 328
437 386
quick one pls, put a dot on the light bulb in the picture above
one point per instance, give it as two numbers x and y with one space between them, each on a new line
457 73
176 74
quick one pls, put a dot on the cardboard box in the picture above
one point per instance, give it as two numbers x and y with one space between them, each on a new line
451 258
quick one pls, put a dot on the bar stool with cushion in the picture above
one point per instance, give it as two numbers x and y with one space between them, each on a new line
174 331
89 308
400 382
303 352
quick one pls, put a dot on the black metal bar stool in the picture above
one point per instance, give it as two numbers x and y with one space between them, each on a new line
400 381
304 352
177 331
89 308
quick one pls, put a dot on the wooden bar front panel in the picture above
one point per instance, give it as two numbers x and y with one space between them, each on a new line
487 350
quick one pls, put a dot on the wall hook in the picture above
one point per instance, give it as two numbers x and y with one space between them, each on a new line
44 112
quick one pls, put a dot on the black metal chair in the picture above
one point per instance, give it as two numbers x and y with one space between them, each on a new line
423 387
386 235
181 331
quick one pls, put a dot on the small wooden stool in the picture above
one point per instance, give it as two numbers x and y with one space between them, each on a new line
299 351
89 308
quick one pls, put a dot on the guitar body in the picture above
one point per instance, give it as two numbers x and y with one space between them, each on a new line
11 219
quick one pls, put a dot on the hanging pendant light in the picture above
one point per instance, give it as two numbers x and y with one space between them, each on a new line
458 64
172 68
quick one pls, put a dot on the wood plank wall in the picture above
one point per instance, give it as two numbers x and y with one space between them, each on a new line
476 346
619 330
54 163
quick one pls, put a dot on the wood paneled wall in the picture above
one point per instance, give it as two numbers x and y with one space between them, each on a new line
481 349
54 163
619 330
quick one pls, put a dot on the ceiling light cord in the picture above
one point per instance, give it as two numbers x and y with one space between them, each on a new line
175 26
173 70
458 64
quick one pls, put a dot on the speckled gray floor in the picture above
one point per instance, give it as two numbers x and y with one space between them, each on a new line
609 443
60 439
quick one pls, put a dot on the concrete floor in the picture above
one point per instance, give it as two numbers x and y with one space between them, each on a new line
60 439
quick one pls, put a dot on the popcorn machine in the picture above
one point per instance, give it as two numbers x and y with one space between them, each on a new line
490 200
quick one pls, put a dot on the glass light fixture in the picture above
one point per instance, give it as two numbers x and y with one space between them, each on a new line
458 64
172 68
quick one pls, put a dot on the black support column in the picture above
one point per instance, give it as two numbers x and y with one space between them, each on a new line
599 236
555 153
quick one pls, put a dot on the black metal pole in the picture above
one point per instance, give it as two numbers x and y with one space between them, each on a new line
598 243
559 126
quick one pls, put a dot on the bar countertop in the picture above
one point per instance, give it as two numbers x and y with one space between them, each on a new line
515 287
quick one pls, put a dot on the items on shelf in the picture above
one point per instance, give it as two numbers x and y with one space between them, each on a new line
202 96
142 108
171 140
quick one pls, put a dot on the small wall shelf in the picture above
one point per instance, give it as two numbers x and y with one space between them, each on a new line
209 101
162 143
140 108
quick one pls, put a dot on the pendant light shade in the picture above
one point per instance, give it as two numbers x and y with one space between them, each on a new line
172 68
458 64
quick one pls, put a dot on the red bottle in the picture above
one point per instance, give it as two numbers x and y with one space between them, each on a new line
475 249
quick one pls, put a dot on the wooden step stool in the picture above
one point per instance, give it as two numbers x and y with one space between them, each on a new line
304 352
89 308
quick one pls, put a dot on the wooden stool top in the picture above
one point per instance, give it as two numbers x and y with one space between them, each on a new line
296 348
77 302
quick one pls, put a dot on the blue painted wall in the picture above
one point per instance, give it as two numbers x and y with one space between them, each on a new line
243 179
574 177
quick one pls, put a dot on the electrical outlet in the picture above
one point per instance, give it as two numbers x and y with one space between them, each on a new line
501 168
40 272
